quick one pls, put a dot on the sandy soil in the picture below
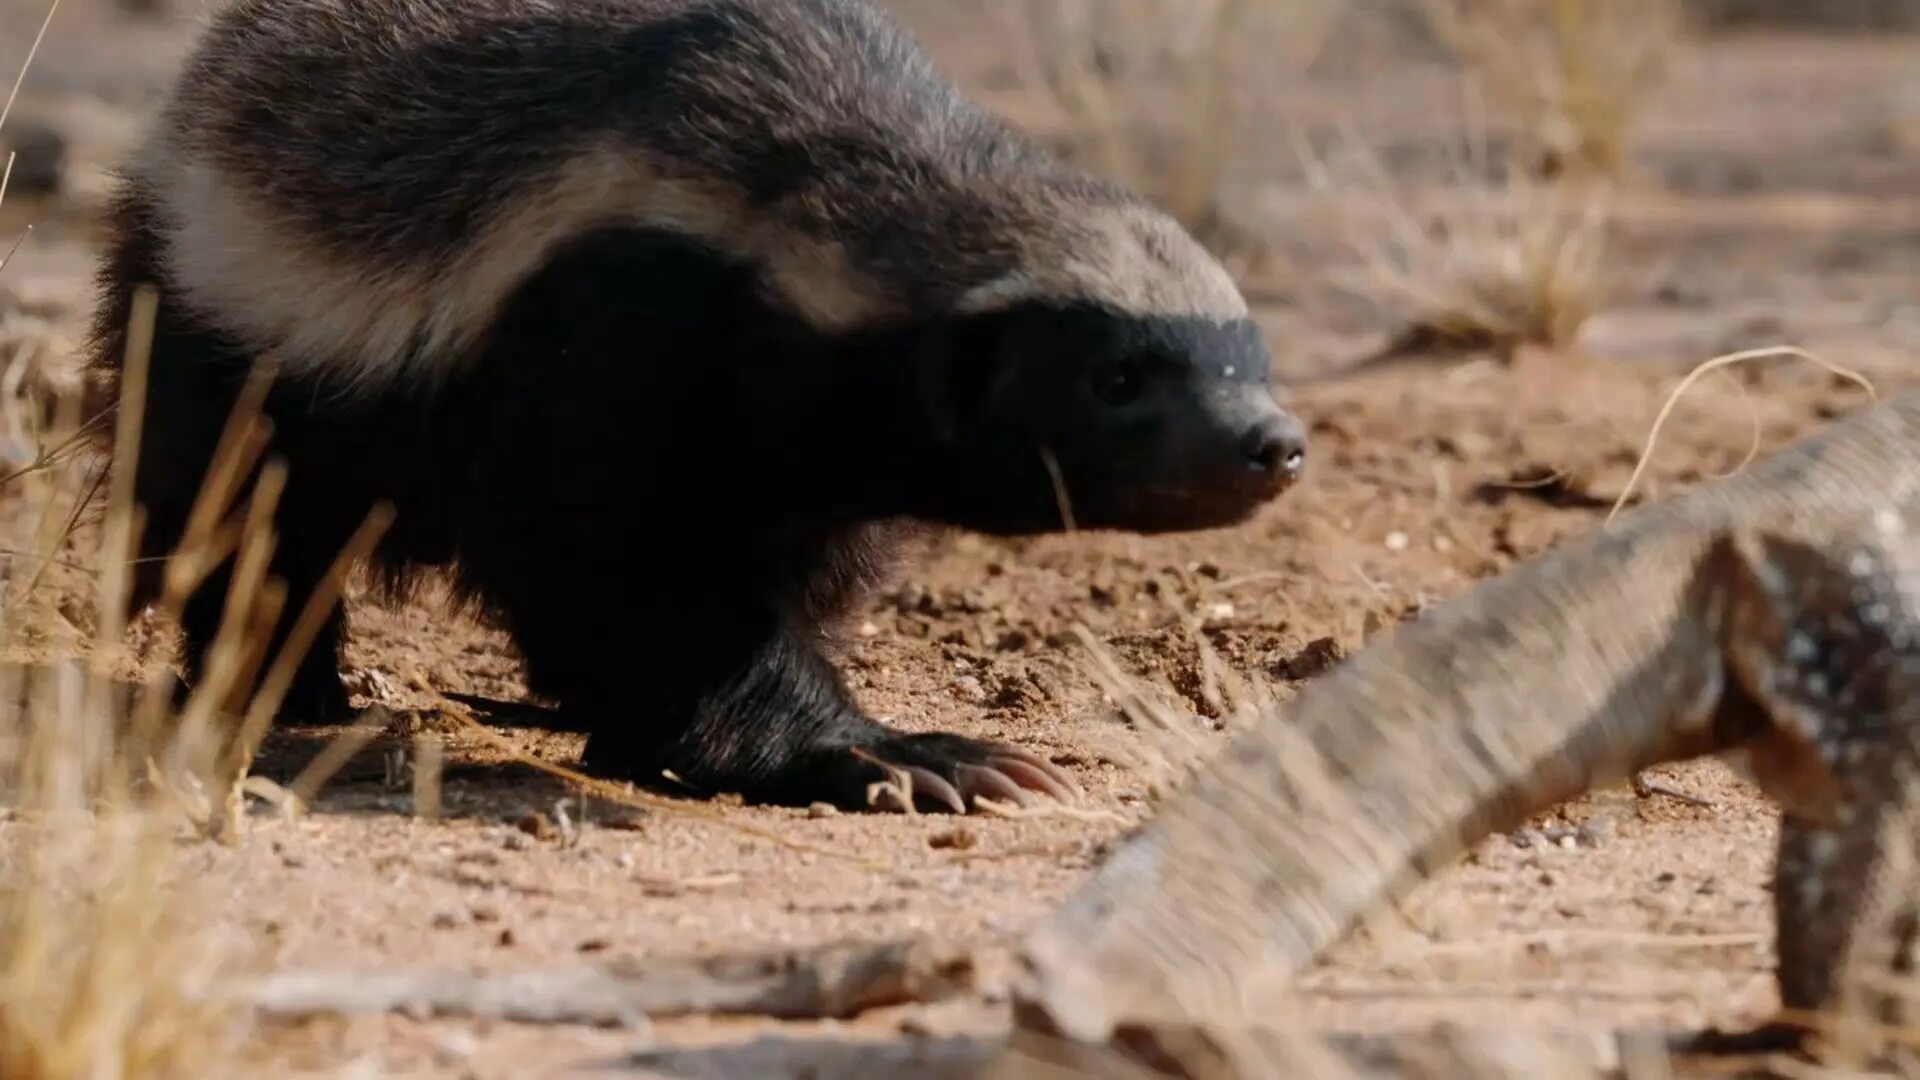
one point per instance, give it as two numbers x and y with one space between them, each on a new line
1778 200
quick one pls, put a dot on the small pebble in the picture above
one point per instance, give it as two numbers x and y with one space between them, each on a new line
1396 541
445 920
823 810
1220 612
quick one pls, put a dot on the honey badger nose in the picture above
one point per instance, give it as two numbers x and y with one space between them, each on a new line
1276 447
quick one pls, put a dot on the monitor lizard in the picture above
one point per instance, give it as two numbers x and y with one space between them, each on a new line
1768 615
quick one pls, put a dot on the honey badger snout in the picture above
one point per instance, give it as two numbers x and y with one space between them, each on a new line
1226 451
1274 449
1194 452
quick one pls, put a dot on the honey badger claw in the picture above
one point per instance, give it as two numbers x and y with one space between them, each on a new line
946 772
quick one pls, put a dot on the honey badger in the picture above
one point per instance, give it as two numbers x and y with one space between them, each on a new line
654 320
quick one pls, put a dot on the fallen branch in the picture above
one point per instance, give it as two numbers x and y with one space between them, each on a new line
834 982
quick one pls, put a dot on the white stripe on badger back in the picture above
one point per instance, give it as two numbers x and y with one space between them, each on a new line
368 327
1131 258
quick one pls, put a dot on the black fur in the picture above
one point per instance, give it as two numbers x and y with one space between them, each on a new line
659 478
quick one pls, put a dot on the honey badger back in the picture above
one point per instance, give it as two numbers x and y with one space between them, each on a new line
647 315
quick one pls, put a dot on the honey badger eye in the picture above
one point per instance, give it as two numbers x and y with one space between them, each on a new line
1118 382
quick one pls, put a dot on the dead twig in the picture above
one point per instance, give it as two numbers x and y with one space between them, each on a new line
834 982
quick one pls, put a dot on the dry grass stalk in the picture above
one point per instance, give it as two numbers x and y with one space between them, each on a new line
1174 741
1151 89
1706 368
427 765
1577 74
1490 260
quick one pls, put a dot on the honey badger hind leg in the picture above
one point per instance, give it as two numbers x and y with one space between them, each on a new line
725 690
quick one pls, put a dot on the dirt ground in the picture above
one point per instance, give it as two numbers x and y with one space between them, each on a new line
1777 200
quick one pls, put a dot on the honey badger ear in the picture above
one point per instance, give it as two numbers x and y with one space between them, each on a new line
963 369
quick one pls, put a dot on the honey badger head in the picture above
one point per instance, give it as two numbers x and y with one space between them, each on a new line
1101 368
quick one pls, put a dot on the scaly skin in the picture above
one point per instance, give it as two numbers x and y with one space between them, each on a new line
1826 642
1597 660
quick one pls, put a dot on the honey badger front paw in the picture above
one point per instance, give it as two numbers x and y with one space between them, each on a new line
852 763
940 772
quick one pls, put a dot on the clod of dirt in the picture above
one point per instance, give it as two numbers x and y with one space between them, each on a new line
537 825
1315 659
960 839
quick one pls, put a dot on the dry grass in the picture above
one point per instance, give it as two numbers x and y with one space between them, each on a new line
112 964
1576 74
1152 90
115 960
1490 259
